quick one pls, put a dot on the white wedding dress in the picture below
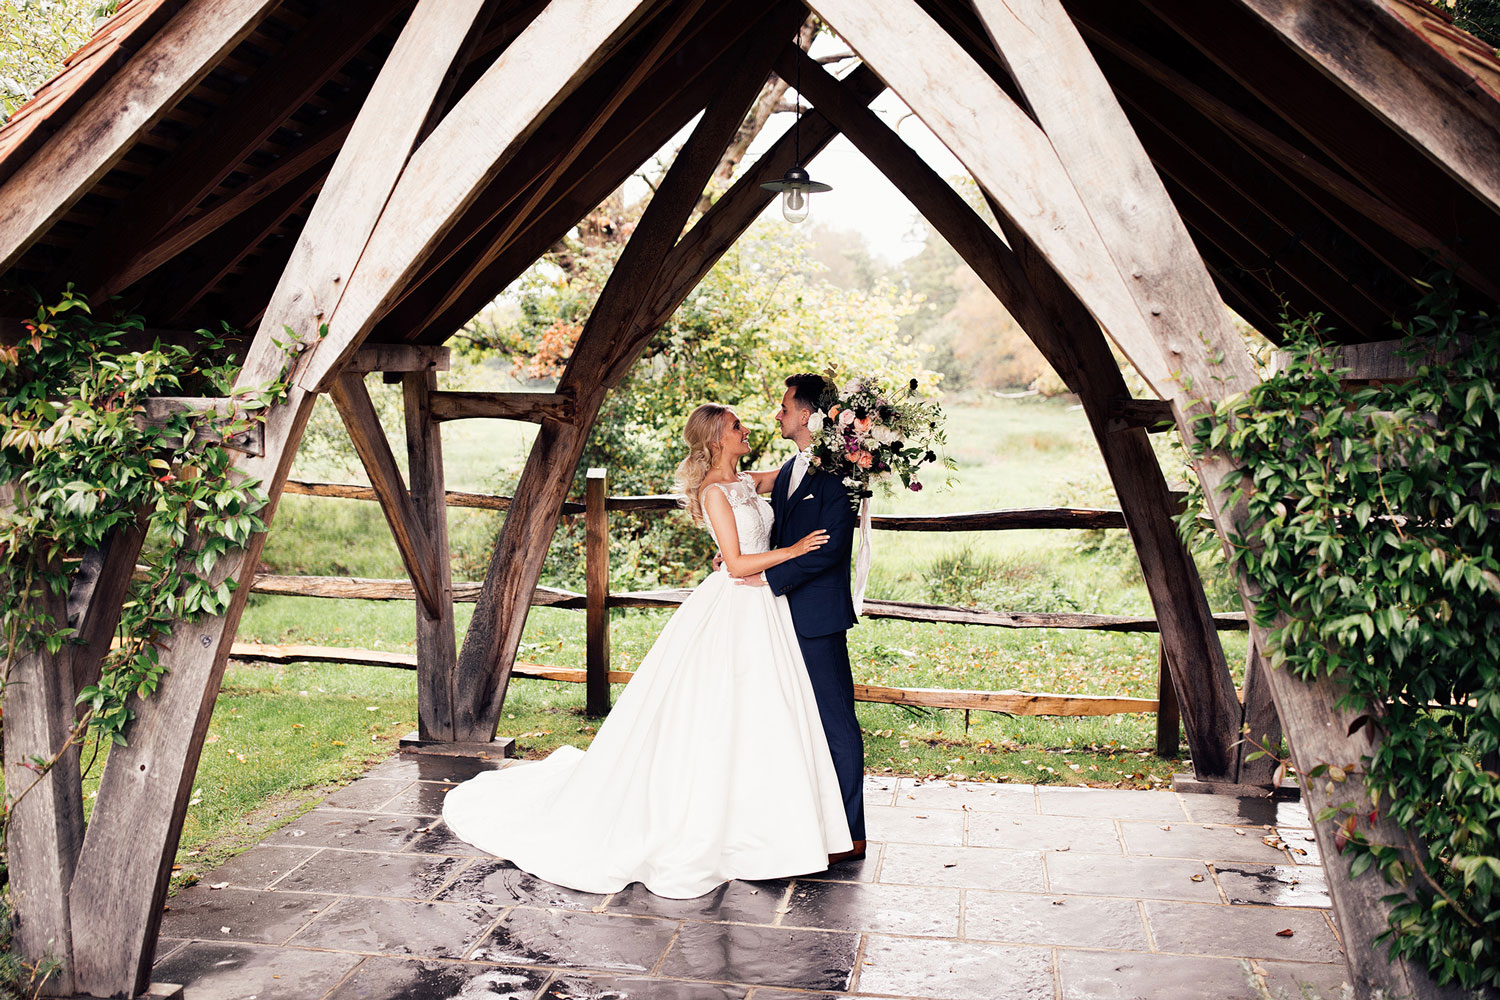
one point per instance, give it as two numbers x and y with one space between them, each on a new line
712 765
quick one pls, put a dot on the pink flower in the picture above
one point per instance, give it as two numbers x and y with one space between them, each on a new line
864 459
862 424
916 487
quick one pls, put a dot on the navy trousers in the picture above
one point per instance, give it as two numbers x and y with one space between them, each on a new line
827 658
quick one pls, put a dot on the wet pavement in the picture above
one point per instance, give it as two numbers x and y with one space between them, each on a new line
969 892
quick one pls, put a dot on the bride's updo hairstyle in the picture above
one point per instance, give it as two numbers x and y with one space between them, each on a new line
701 433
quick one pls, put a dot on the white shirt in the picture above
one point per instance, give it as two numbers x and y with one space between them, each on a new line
799 469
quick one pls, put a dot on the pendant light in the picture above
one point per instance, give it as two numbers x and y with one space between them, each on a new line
796 187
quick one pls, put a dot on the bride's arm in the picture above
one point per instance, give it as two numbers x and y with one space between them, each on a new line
764 481
716 508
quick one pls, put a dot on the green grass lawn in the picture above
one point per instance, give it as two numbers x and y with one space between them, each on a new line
281 736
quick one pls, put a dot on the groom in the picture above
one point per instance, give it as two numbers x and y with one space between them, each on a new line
816 586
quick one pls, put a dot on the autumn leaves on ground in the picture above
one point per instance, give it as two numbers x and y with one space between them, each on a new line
283 735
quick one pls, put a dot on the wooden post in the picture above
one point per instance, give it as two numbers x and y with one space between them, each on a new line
46 825
1168 716
596 572
437 647
1262 726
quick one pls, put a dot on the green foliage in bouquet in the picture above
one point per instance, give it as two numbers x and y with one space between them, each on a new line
1375 538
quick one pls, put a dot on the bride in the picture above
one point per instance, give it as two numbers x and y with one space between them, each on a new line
713 764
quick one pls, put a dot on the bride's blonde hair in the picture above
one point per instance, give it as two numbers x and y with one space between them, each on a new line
701 433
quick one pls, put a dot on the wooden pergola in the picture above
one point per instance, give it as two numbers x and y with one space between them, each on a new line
387 167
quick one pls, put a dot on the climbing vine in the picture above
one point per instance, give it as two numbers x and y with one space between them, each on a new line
79 461
1376 544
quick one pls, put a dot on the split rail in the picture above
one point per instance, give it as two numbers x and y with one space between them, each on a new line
597 599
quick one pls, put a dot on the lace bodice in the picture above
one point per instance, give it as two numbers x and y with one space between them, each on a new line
752 514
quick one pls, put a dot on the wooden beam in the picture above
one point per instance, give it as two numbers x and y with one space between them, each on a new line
1376 57
488 126
1384 360
613 331
452 404
126 862
1262 727
1185 322
1150 414
98 135
250 440
1168 711
218 146
954 97
96 598
596 572
437 645
45 811
418 552
1070 340
399 358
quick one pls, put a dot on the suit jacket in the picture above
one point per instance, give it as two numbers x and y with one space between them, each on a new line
816 584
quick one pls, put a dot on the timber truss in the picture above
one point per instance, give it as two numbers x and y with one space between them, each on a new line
387 167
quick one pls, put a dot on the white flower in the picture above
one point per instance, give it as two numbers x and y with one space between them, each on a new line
851 482
815 422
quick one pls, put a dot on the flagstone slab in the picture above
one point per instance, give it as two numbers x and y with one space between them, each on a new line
351 831
975 795
570 939
1243 931
1289 978
1145 878
1077 921
419 798
1236 810
1119 975
880 791
1274 885
894 909
262 865
770 956
1090 834
367 793
853 870
434 767
398 927
494 882
892 824
239 914
733 902
1114 803
380 978
362 873
955 970
962 867
1194 840
439 839
572 987
214 971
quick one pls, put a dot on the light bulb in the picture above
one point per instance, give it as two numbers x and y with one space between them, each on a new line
795 204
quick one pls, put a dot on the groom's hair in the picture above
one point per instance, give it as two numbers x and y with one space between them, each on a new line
807 388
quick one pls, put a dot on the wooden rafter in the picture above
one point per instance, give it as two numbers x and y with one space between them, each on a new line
95 138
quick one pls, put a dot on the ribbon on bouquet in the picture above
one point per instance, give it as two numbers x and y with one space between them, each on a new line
862 560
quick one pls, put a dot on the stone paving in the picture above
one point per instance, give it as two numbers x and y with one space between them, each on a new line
970 892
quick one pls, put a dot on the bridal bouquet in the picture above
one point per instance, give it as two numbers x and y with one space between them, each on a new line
871 435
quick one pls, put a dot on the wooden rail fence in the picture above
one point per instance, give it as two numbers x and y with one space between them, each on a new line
597 599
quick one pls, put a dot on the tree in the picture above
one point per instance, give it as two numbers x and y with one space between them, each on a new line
36 36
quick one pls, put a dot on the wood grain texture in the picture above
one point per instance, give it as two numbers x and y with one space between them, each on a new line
476 138
437 644
418 553
596 579
399 358
454 404
99 133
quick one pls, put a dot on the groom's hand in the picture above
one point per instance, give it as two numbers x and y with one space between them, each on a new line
758 580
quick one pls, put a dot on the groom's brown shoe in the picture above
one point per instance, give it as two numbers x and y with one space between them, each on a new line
857 853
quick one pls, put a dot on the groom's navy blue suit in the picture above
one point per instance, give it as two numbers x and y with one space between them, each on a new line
816 586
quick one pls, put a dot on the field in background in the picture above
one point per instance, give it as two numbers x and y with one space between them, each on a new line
281 732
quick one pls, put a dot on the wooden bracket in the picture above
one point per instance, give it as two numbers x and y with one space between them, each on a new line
532 406
399 358
1155 415
158 410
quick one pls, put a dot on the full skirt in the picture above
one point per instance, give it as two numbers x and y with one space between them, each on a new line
712 766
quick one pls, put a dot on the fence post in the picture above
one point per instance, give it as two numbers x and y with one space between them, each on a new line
596 602
1168 718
